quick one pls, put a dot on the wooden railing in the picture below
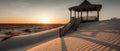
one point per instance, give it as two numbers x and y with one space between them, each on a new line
67 27
89 18
74 24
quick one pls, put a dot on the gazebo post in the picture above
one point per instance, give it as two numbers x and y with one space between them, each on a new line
78 15
81 14
70 14
97 15
75 14
87 15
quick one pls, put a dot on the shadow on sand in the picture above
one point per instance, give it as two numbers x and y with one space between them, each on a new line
111 46
63 45
99 27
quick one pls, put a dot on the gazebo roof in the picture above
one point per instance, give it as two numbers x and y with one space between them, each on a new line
86 6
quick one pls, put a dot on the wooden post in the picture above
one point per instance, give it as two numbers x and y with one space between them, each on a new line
87 15
70 14
75 14
81 14
97 15
60 32
78 14
78 20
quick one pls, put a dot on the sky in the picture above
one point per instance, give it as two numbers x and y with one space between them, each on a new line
54 11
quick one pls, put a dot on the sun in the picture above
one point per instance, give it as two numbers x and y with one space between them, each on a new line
45 20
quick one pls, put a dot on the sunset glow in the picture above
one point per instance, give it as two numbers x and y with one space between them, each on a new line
45 20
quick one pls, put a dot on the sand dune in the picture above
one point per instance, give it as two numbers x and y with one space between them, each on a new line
93 36
24 42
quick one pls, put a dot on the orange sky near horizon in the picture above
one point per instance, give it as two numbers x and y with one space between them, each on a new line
19 21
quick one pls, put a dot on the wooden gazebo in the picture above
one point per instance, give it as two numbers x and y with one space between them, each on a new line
85 6
76 19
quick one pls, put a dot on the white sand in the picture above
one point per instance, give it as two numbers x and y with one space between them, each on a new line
2 36
24 42
21 30
94 36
